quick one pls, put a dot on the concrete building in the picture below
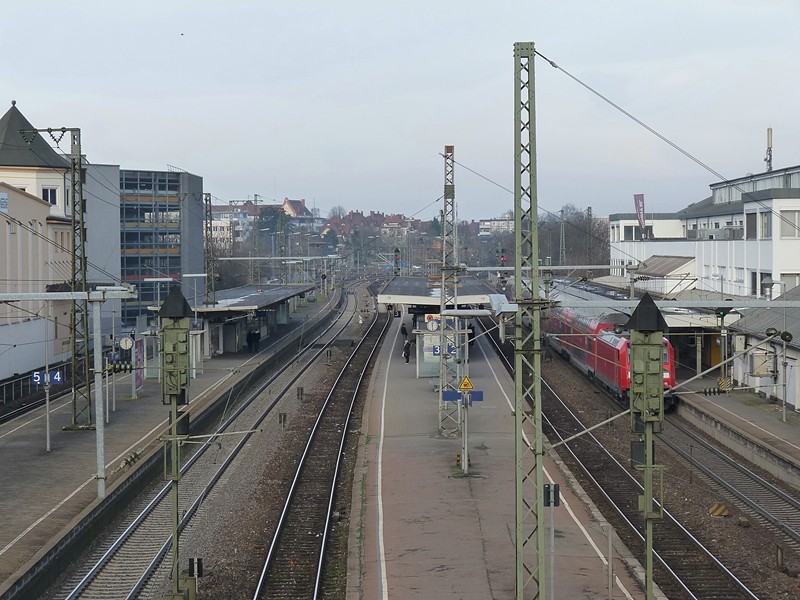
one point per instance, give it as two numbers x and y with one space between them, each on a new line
742 241
487 227
746 232
161 234
29 164
36 253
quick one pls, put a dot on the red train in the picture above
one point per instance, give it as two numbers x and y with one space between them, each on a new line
594 343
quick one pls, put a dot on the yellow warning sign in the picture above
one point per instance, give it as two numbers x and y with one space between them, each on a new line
466 384
718 510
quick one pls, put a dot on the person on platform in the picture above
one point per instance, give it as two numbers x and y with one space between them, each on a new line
256 340
406 350
404 332
249 340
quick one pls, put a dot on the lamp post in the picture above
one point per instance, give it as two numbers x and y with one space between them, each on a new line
158 281
194 276
632 272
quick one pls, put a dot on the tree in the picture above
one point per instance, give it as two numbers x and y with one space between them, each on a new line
436 226
584 242
331 239
337 211
269 217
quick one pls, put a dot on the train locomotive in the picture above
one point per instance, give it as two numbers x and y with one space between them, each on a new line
595 343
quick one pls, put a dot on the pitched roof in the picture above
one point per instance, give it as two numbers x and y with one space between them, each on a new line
15 151
296 208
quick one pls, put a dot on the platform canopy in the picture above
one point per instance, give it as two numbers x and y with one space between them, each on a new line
419 291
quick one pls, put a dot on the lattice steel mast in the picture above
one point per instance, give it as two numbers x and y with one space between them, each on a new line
529 503
79 316
449 412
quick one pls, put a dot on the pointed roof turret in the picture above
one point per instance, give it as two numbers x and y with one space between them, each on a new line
15 151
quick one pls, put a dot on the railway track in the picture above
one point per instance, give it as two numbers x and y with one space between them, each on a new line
684 567
776 508
294 563
134 561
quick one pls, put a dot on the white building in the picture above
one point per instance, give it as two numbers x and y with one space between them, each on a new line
487 227
743 240
37 240
36 253
748 230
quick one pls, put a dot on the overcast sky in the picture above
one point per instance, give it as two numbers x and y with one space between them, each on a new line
351 102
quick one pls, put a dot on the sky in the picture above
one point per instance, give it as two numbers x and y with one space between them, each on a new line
350 103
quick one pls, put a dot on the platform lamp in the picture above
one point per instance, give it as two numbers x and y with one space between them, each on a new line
158 281
632 269
194 276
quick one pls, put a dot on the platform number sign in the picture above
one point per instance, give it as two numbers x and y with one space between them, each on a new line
437 349
56 377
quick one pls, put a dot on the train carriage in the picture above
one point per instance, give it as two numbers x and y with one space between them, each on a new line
595 343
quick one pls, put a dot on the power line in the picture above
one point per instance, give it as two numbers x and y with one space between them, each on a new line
666 140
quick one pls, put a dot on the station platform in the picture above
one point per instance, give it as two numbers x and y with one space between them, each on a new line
45 494
763 431
427 531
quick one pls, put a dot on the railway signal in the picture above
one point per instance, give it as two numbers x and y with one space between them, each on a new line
121 367
174 314
647 327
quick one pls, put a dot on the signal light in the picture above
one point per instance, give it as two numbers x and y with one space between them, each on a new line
711 391
121 367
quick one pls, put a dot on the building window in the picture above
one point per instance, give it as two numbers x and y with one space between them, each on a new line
765 225
739 274
634 233
790 223
792 280
750 226
49 194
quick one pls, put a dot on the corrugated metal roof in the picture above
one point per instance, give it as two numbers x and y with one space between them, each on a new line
15 151
663 266
756 321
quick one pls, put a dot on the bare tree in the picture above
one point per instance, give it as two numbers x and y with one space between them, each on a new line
337 211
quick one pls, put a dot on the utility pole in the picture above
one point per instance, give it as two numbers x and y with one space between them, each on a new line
647 327
208 252
283 242
449 412
79 317
562 243
589 237
529 538
255 271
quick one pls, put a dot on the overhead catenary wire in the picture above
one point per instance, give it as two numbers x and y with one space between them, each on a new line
665 139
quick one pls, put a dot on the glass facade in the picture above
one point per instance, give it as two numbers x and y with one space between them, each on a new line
158 211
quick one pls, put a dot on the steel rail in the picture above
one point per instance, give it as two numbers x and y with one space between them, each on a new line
161 494
302 462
